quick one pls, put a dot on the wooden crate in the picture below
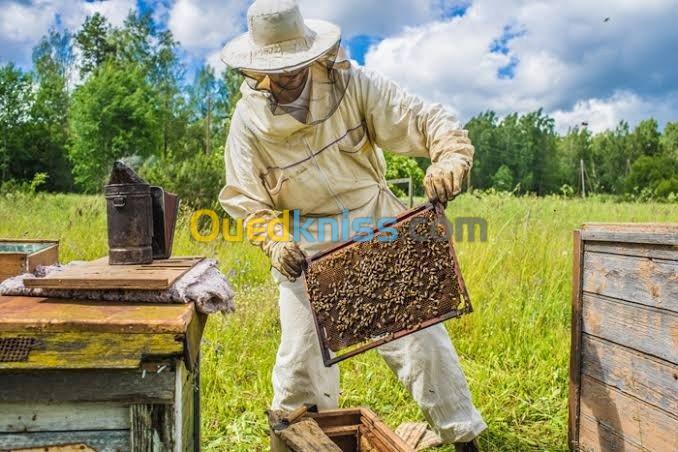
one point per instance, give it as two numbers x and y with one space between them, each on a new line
110 376
19 256
624 356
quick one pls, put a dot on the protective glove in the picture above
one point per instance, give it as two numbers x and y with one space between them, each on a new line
287 258
285 255
443 180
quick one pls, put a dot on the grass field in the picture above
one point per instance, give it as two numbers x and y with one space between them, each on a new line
514 348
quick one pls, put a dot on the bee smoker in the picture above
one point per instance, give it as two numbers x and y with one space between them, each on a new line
141 218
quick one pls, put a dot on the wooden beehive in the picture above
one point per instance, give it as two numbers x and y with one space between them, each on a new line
624 357
102 376
21 256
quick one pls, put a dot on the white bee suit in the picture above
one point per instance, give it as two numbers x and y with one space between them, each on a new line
275 163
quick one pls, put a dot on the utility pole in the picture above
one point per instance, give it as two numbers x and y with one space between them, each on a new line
583 186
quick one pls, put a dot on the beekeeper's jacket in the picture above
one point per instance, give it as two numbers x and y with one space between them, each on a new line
274 162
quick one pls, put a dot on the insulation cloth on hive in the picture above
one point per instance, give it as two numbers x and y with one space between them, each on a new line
203 284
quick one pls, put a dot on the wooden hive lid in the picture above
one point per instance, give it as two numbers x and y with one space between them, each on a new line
37 314
650 233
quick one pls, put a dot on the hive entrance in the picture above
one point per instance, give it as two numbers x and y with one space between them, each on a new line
379 290
15 349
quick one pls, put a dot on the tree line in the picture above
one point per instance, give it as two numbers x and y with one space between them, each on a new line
104 93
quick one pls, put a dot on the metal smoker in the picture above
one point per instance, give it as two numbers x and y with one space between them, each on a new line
141 218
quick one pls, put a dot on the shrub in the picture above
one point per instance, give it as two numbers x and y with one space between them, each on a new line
197 180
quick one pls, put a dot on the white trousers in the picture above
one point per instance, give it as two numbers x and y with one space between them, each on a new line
425 362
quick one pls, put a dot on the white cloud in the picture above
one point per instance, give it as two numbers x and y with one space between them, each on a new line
376 17
206 24
565 53
22 24
214 60
605 114
203 25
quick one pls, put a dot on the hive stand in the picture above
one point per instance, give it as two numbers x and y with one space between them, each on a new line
99 375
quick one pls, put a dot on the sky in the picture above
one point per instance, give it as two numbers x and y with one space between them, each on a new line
582 61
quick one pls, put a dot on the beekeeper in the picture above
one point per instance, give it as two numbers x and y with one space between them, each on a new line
307 134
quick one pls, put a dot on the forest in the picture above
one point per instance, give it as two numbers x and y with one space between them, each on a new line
102 93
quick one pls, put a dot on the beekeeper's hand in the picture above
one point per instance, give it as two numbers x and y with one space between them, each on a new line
287 258
443 180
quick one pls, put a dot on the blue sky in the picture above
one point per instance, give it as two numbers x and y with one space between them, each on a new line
511 55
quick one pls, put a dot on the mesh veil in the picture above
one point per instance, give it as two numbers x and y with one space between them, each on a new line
324 82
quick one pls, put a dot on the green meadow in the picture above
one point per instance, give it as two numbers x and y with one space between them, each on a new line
514 347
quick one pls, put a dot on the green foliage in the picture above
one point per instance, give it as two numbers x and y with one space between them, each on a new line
45 151
669 140
197 179
503 179
11 186
645 139
16 97
95 43
657 175
400 166
526 145
113 115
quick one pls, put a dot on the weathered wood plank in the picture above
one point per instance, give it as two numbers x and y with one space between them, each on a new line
102 441
94 350
633 249
196 407
634 420
126 386
46 256
41 417
649 379
193 339
306 436
187 412
653 233
181 375
595 437
152 428
575 340
639 327
12 264
23 314
653 282
98 274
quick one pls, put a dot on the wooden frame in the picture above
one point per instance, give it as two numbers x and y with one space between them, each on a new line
324 346
623 359
354 422
13 264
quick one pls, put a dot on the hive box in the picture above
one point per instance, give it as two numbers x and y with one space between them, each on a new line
624 362
21 256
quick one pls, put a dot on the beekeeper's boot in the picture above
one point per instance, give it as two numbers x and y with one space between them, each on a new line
471 446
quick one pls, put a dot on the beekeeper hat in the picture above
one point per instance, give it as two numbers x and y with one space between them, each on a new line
278 39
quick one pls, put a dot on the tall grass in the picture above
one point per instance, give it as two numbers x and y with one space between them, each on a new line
514 348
